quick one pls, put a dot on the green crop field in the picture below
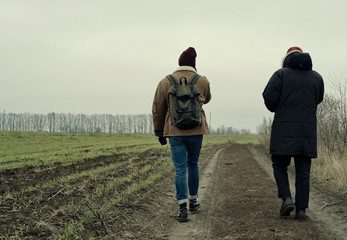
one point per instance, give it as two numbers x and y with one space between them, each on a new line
44 150
58 185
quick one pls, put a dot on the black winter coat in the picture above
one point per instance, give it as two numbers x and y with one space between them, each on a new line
293 93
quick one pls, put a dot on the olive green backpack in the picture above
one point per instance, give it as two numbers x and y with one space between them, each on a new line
185 108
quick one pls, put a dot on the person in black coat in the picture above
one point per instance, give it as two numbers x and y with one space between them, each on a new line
293 94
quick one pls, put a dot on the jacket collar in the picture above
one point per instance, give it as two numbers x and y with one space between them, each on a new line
185 68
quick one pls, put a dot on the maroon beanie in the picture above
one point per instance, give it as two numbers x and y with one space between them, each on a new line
187 58
293 49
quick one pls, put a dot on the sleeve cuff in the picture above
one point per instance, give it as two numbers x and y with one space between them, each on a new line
158 133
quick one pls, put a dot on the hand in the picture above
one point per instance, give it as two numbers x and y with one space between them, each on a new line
162 140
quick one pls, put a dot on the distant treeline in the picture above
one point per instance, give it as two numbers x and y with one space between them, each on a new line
84 123
77 123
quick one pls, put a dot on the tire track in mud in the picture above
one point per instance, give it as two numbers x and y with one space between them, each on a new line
198 227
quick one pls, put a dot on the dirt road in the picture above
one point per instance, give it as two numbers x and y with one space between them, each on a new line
239 201
237 193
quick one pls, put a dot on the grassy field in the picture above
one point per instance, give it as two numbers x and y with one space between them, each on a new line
43 150
58 185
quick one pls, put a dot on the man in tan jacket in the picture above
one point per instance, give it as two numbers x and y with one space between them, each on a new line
185 143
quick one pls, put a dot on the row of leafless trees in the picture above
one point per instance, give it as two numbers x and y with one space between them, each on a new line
78 123
331 120
83 123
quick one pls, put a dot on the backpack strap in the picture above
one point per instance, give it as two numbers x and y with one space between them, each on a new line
172 79
194 78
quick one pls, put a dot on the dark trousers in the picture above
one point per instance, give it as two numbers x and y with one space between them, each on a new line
280 165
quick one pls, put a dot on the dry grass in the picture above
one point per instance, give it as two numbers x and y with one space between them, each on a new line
331 170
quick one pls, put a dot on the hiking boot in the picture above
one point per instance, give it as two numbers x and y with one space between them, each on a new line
300 215
194 205
287 207
183 215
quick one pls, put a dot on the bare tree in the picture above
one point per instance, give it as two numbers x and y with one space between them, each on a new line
332 118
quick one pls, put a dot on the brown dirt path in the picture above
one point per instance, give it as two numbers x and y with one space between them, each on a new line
238 201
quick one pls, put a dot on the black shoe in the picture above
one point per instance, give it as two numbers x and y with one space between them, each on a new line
183 215
194 205
287 207
300 215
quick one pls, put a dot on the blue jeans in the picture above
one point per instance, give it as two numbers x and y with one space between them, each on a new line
185 151
280 165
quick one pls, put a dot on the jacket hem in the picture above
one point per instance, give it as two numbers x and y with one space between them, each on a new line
294 154
188 134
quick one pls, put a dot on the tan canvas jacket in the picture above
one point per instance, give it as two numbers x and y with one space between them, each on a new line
162 121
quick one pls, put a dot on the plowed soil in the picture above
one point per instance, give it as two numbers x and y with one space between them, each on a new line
237 193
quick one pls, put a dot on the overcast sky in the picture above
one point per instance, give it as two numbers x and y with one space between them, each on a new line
108 56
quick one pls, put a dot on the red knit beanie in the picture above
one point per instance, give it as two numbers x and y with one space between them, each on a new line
294 49
187 58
